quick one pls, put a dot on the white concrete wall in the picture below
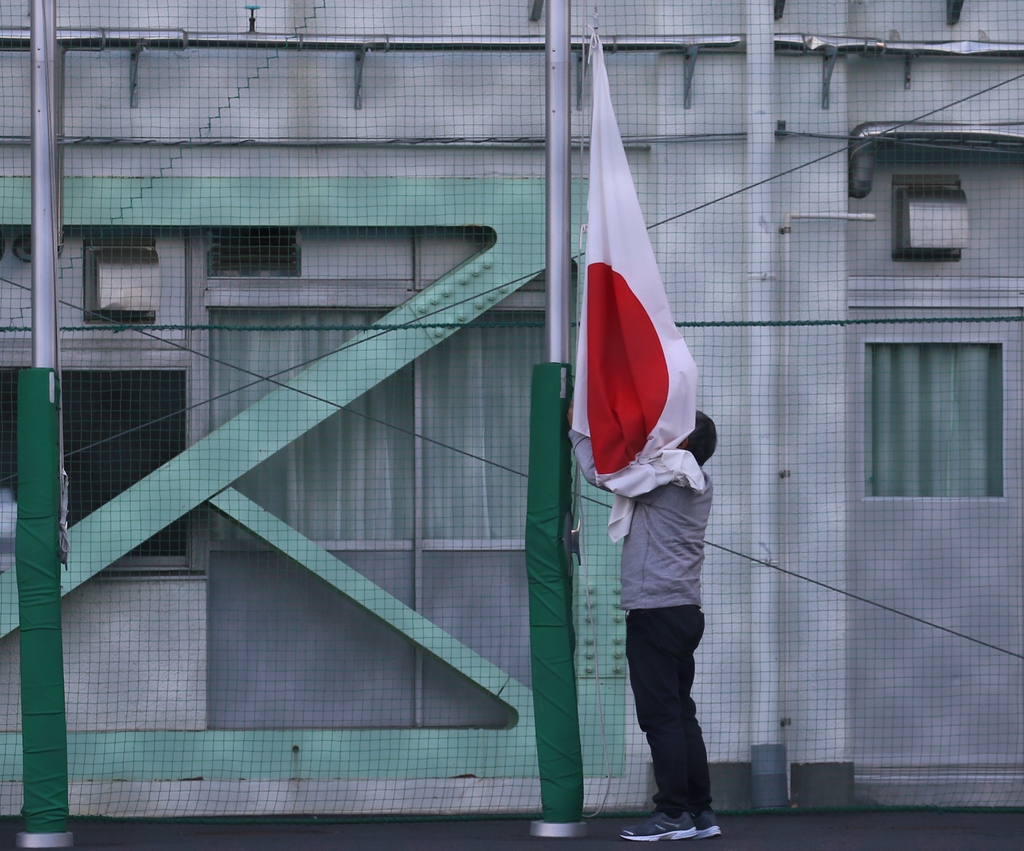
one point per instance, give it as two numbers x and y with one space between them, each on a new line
134 657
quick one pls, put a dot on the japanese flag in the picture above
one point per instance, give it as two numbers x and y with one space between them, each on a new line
636 382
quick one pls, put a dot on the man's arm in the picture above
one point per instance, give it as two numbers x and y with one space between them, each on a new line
584 456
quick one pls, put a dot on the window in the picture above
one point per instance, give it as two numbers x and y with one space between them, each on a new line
254 252
427 519
119 426
929 218
122 281
413 484
935 419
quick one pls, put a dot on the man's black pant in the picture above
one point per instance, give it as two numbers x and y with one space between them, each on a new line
659 646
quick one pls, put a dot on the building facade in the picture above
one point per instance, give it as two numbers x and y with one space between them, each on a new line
301 287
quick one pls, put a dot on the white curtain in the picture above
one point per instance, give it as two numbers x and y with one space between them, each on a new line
936 419
476 398
352 477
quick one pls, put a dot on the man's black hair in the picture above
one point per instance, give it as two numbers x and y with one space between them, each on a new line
703 439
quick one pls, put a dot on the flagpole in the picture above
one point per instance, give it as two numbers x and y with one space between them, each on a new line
557 172
548 498
44 228
37 544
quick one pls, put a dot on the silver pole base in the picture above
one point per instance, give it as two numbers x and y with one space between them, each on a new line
558 830
45 840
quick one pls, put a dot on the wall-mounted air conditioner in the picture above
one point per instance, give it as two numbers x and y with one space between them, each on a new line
122 281
930 220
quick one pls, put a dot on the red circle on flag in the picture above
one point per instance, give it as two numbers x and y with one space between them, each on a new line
627 375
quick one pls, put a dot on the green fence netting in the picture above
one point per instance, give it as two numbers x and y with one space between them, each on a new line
301 284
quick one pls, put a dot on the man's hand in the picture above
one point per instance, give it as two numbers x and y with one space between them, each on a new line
570 414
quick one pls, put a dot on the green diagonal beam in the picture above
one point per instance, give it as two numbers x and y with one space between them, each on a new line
286 413
375 600
514 208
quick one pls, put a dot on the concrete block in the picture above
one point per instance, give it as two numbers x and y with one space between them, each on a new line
730 785
822 784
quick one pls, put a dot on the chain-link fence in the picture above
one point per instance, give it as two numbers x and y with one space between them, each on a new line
302 290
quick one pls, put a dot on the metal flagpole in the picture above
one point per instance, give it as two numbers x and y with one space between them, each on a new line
44 192
559 754
558 131
37 545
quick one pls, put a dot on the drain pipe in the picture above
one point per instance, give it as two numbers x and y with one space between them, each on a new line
787 315
786 288
786 230
98 38
767 752
865 138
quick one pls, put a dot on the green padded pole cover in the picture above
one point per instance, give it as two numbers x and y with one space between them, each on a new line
551 635
37 553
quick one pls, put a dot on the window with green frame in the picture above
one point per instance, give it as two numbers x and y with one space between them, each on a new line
935 419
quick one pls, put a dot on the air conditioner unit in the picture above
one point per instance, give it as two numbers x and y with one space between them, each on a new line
122 283
930 219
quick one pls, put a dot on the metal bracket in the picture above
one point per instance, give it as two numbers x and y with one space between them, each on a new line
536 9
691 65
133 77
780 9
360 61
831 54
907 62
953 9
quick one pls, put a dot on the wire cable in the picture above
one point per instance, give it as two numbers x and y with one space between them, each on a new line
273 378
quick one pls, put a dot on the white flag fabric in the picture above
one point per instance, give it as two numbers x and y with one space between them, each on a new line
636 381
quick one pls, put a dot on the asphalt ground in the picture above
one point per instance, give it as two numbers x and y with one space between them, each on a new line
817 831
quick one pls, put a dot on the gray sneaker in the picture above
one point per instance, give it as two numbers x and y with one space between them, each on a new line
706 825
660 826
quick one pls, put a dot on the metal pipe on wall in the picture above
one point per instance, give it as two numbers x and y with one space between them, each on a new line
787 229
767 753
787 427
18 38
104 39
997 138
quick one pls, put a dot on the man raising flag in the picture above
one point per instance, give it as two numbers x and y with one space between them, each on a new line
636 432
636 382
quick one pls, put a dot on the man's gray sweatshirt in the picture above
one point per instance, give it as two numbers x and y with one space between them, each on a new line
664 551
